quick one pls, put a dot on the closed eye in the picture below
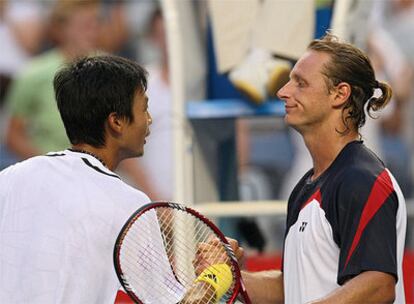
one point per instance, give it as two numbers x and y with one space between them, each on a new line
301 84
299 81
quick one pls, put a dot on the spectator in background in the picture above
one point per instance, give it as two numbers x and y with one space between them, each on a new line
21 36
113 30
21 33
391 46
35 125
137 15
77 28
153 173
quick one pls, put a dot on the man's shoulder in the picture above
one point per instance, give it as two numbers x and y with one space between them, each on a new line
134 193
26 173
67 178
354 184
355 173
24 165
357 167
351 180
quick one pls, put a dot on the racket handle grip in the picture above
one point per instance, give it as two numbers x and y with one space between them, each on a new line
219 276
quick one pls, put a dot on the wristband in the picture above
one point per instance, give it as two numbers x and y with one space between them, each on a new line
219 276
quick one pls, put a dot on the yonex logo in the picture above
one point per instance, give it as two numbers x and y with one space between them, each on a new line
177 206
211 276
126 283
303 226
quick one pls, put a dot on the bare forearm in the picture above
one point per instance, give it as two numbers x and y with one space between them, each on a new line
265 287
18 141
368 287
22 148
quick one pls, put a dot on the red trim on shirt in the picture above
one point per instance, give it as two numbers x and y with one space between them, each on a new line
317 196
380 192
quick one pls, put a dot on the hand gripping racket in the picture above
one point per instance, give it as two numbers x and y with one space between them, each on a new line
167 253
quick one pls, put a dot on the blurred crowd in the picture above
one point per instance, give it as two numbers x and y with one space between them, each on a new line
38 37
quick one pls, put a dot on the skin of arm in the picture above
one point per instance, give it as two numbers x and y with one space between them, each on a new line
264 287
200 293
18 141
367 287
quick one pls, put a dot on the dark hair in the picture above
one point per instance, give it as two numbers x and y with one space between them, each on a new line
349 64
91 88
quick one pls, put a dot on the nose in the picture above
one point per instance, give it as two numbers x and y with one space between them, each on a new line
149 119
283 92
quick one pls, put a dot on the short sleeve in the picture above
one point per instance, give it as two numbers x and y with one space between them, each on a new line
366 225
19 99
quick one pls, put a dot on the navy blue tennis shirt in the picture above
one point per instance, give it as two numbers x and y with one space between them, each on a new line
349 220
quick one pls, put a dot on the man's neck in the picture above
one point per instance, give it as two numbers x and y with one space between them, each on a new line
105 155
324 148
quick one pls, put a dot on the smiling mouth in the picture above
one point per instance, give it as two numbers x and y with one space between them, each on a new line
290 105
287 107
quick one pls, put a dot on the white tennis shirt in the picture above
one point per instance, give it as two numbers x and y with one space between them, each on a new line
59 218
349 220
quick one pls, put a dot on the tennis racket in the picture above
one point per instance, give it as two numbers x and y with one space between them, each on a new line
167 253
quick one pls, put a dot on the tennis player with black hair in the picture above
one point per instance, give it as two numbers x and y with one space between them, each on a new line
60 213
346 220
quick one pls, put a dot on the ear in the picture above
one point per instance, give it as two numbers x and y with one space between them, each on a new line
341 94
115 124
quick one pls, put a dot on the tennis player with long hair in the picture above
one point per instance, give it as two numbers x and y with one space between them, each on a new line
346 220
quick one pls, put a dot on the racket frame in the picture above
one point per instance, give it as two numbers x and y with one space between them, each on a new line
239 285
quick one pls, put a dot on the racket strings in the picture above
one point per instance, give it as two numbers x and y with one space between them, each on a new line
162 270
201 234
139 258
144 263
